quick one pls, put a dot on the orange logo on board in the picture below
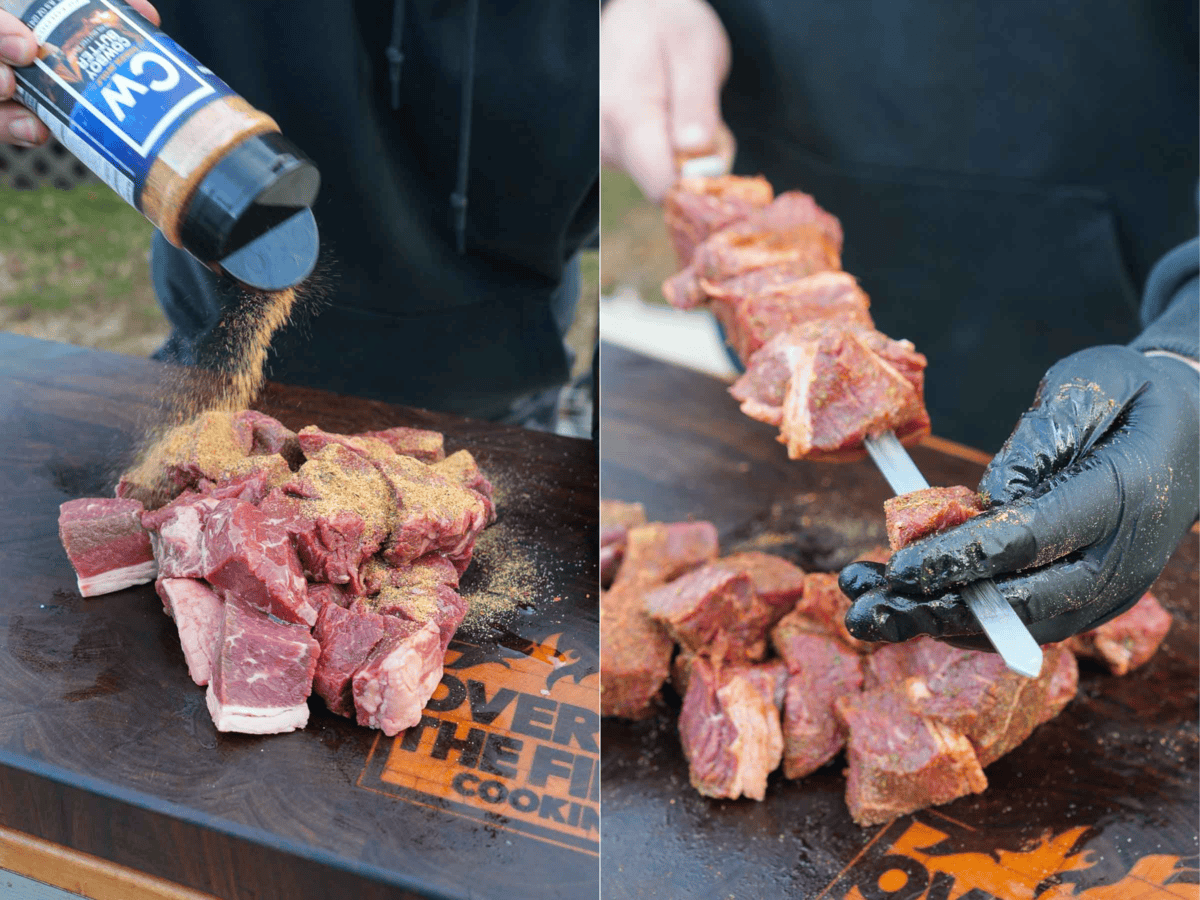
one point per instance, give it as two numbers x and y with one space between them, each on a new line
511 737
923 862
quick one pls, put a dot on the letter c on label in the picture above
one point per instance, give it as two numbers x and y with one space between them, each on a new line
170 78
460 783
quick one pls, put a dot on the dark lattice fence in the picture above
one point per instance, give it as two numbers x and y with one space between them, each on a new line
24 168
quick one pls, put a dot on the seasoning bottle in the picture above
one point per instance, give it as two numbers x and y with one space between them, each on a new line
211 172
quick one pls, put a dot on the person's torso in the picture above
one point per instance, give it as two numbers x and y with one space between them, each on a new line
1006 174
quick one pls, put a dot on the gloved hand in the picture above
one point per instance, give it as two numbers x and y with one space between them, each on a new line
1088 499
18 47
662 64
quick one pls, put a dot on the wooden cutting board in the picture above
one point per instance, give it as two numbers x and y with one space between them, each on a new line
106 746
1100 803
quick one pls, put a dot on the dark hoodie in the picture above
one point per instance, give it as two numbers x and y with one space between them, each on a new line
1007 174
458 148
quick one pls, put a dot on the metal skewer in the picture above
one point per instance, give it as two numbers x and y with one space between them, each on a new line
1000 623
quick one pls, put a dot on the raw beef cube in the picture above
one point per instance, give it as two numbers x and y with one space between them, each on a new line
249 556
694 208
793 208
889 664
1129 640
658 552
821 669
978 696
918 514
434 515
635 651
177 535
398 677
263 674
898 761
198 613
751 321
616 518
347 638
1063 682
744 247
338 509
313 440
249 479
460 467
828 386
729 728
422 591
320 595
697 607
778 587
208 447
106 544
270 436
427 446
826 606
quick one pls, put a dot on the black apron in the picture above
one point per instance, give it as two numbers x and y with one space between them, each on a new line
398 314
1006 174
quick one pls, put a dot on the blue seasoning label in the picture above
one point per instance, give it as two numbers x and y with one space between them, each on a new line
110 87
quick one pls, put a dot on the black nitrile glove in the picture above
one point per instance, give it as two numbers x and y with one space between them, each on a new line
1088 498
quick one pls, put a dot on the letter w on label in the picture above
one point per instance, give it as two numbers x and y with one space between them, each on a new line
121 90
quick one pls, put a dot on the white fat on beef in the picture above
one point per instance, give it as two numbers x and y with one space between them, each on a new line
106 544
398 678
263 676
177 534
197 612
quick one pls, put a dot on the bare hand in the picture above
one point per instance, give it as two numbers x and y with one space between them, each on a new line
18 47
662 64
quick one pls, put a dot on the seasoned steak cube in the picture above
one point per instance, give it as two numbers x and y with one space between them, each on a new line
825 606
264 672
250 556
821 668
918 514
778 587
198 614
422 591
898 761
889 664
434 515
616 518
398 677
750 321
313 440
683 290
694 208
635 651
270 436
419 443
699 609
978 696
1129 640
729 728
460 467
209 446
347 638
828 386
106 544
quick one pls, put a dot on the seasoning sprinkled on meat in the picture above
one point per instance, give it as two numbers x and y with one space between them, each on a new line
919 514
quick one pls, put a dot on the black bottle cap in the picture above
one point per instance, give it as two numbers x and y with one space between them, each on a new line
251 214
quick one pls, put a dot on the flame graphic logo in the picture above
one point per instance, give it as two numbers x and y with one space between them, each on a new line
922 865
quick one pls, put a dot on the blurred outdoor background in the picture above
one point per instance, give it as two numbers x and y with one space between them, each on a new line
636 257
74 261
